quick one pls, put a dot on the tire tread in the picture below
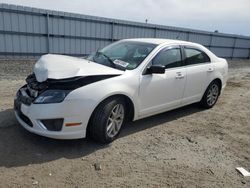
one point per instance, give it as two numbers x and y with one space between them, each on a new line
98 119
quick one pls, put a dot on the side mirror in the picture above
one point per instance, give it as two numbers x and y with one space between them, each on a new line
156 69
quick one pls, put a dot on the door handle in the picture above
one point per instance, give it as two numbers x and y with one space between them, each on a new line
210 69
179 75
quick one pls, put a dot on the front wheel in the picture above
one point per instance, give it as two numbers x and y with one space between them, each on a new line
107 120
211 95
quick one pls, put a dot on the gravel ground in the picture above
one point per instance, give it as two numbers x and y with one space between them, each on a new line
187 147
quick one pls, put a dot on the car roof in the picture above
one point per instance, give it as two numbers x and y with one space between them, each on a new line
163 42
159 41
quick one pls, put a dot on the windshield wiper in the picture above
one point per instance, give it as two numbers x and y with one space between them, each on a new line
108 58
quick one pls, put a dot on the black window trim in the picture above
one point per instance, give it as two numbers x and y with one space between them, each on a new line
169 48
194 48
166 48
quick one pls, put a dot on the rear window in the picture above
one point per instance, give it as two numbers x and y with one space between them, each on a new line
195 56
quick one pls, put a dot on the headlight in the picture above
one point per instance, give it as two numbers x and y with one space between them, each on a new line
51 96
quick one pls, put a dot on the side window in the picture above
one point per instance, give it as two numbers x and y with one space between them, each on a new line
195 56
169 58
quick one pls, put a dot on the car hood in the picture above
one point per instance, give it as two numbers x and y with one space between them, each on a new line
52 66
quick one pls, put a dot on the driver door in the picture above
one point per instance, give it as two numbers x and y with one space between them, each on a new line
162 92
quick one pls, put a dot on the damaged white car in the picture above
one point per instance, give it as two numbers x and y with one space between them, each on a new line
68 98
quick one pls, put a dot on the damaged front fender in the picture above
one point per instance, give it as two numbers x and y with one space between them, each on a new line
33 88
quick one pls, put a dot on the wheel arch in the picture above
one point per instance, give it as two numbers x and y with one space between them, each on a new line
129 105
214 80
218 80
203 99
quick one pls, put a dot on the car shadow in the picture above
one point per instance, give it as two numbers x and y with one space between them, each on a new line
158 119
18 147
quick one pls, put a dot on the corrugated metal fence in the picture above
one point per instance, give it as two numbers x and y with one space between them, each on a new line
31 32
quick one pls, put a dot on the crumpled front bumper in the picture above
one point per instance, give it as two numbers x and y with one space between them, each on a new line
31 116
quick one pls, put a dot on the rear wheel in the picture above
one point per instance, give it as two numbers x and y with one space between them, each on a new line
107 120
211 95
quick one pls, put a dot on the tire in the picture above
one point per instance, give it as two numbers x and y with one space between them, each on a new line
105 124
211 95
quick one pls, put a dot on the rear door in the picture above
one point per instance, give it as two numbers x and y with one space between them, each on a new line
200 71
160 92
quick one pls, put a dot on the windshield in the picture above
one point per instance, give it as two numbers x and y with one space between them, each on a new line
124 55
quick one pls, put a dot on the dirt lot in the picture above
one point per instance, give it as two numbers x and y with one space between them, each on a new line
188 147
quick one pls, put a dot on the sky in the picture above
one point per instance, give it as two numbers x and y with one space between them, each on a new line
226 16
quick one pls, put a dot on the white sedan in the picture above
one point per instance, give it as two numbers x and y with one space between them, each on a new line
68 97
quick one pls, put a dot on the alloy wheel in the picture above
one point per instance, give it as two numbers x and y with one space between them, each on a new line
212 94
115 120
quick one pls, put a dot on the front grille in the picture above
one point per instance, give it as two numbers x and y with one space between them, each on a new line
53 124
25 118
